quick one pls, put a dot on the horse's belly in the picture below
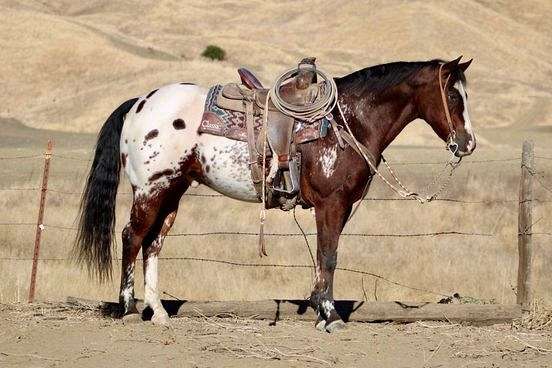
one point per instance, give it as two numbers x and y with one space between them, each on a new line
226 167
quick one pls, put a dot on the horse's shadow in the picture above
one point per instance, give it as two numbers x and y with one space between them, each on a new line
345 308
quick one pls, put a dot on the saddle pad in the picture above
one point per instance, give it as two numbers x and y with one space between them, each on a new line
223 122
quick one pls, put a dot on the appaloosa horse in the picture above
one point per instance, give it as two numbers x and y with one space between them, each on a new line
155 139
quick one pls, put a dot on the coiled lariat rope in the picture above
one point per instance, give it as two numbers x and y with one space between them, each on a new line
310 112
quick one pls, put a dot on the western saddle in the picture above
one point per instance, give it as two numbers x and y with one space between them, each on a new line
237 112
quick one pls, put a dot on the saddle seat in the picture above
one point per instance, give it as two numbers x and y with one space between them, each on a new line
302 90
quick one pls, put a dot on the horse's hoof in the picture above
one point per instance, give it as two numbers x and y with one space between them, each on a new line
335 326
160 319
320 324
132 318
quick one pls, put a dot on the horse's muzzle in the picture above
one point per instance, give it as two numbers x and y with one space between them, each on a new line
462 147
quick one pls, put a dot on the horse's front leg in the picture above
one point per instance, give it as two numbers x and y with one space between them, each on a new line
330 220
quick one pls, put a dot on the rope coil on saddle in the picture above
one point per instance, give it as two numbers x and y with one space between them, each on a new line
321 107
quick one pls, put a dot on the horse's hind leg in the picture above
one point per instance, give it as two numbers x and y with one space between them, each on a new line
150 253
151 247
131 247
142 217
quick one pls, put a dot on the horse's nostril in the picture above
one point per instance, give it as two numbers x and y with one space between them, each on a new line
453 147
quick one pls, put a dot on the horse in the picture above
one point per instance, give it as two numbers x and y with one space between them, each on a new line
154 138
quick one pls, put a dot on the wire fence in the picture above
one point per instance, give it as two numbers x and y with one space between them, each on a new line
539 177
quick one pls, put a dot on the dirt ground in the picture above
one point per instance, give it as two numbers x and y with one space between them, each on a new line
55 335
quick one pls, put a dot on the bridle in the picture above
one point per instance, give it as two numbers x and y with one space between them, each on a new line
452 146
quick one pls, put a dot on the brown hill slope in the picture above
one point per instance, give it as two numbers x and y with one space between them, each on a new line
66 64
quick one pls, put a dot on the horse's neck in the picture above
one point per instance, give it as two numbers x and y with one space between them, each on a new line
377 124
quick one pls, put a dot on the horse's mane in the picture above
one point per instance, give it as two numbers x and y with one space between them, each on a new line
378 78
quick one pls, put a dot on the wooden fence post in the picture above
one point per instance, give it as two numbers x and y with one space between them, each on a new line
525 222
39 222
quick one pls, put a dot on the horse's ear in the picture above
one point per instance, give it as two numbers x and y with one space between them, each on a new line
464 66
452 65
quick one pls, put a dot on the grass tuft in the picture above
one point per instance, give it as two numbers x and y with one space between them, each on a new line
214 52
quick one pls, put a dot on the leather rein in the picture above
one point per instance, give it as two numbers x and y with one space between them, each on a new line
401 189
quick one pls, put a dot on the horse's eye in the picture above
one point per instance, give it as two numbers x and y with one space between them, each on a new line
453 97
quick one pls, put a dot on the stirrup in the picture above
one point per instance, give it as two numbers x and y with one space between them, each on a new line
290 180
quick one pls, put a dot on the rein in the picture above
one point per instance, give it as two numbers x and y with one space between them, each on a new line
401 189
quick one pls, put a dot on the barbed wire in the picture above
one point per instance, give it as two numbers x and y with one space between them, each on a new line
543 185
286 235
369 199
64 157
19 189
543 157
360 235
540 233
283 235
17 223
21 157
402 163
255 265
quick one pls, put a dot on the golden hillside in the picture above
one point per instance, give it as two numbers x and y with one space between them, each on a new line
66 64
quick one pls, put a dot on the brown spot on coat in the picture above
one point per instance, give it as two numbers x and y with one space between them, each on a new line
203 159
207 168
140 106
123 159
151 93
154 133
179 124
160 174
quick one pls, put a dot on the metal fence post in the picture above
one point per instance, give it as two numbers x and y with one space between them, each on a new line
525 222
39 223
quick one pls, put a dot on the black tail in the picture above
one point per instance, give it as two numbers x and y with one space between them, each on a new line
96 228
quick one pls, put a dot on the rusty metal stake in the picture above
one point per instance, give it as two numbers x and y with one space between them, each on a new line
39 222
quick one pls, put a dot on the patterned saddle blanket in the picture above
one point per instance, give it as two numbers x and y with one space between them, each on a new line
224 115
225 122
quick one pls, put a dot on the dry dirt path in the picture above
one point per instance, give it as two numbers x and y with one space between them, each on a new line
53 335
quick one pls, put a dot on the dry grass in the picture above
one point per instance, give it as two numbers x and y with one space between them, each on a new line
539 317
482 267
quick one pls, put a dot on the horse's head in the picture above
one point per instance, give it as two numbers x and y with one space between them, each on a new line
443 104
